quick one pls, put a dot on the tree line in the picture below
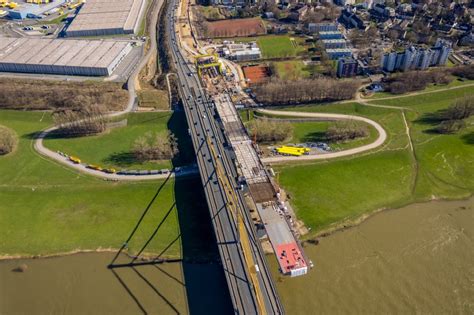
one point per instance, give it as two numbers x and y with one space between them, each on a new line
400 83
280 92
466 72
416 80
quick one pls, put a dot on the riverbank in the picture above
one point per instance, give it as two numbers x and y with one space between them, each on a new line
47 208
415 164
415 259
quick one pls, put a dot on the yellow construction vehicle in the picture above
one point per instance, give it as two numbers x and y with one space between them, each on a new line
295 151
94 167
7 4
74 5
207 61
74 160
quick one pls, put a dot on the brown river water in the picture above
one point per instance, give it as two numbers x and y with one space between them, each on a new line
415 260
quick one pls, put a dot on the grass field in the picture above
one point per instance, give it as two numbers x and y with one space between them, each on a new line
446 162
113 148
314 131
327 192
47 208
291 70
273 46
442 166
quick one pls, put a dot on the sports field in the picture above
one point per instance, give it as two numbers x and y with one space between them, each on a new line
256 74
236 27
276 46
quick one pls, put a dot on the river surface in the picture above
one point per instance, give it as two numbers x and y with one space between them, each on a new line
414 260
82 284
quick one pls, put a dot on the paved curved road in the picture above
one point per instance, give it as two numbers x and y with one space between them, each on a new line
131 87
378 142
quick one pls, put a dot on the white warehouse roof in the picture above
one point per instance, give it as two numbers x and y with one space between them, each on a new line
60 56
107 17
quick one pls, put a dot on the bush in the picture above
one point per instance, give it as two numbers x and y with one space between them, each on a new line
450 126
156 146
344 131
267 131
7 140
461 108
453 118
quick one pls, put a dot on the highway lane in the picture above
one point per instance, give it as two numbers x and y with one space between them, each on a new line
272 301
232 260
200 114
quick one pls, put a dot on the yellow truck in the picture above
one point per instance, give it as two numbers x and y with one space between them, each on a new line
294 151
94 167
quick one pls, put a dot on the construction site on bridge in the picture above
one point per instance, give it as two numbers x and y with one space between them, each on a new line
272 215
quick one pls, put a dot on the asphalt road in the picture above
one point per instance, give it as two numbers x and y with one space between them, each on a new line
201 115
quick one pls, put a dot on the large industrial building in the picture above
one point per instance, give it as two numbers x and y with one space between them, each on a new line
107 17
62 57
33 11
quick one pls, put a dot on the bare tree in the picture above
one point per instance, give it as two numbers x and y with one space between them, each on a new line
460 109
156 146
280 92
8 140
346 130
88 120
267 131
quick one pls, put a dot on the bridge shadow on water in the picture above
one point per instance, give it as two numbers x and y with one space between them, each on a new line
202 277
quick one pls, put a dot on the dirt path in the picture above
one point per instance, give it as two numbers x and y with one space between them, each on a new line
378 142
